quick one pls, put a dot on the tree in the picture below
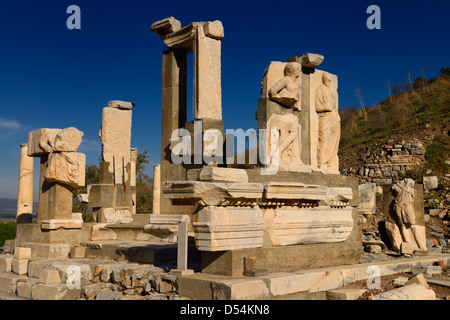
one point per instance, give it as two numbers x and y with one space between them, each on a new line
144 185
445 71
361 102
144 188
388 84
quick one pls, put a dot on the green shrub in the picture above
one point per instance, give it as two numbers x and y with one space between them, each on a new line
7 232
436 154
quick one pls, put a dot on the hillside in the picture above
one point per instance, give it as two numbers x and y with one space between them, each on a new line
415 116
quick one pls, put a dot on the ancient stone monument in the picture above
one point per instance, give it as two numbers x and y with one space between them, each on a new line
285 209
301 214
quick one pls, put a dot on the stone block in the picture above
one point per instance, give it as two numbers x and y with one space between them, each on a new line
238 289
20 266
49 276
367 198
67 140
77 252
418 278
5 263
430 183
50 250
40 141
406 248
115 135
217 174
49 291
288 226
22 253
55 224
345 294
24 287
65 269
434 270
121 104
213 29
413 291
108 295
67 168
8 282
289 283
229 228
334 279
400 281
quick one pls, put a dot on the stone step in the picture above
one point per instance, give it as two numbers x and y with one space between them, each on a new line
157 253
8 296
304 284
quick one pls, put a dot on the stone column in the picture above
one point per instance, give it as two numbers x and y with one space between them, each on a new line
133 159
174 116
156 189
25 187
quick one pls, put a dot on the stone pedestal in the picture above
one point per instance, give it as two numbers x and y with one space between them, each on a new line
25 187
112 202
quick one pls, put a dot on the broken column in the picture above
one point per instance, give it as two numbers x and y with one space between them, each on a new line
156 209
133 159
112 198
62 170
25 187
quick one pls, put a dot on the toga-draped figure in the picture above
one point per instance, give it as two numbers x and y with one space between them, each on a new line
405 228
329 126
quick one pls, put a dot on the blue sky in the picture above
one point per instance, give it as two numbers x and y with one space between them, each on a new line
53 77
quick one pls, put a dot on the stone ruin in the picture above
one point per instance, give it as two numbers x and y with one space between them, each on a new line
302 215
288 211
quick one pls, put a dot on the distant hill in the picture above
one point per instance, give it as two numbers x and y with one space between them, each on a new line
8 206
420 110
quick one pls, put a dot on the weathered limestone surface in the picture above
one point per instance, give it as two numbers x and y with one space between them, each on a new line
308 225
228 228
133 159
211 193
409 292
165 226
367 198
207 75
61 170
404 216
67 140
67 168
156 208
115 136
5 262
329 130
217 174
25 187
121 104
41 142
430 183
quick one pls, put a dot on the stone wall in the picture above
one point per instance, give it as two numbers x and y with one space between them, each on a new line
388 162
